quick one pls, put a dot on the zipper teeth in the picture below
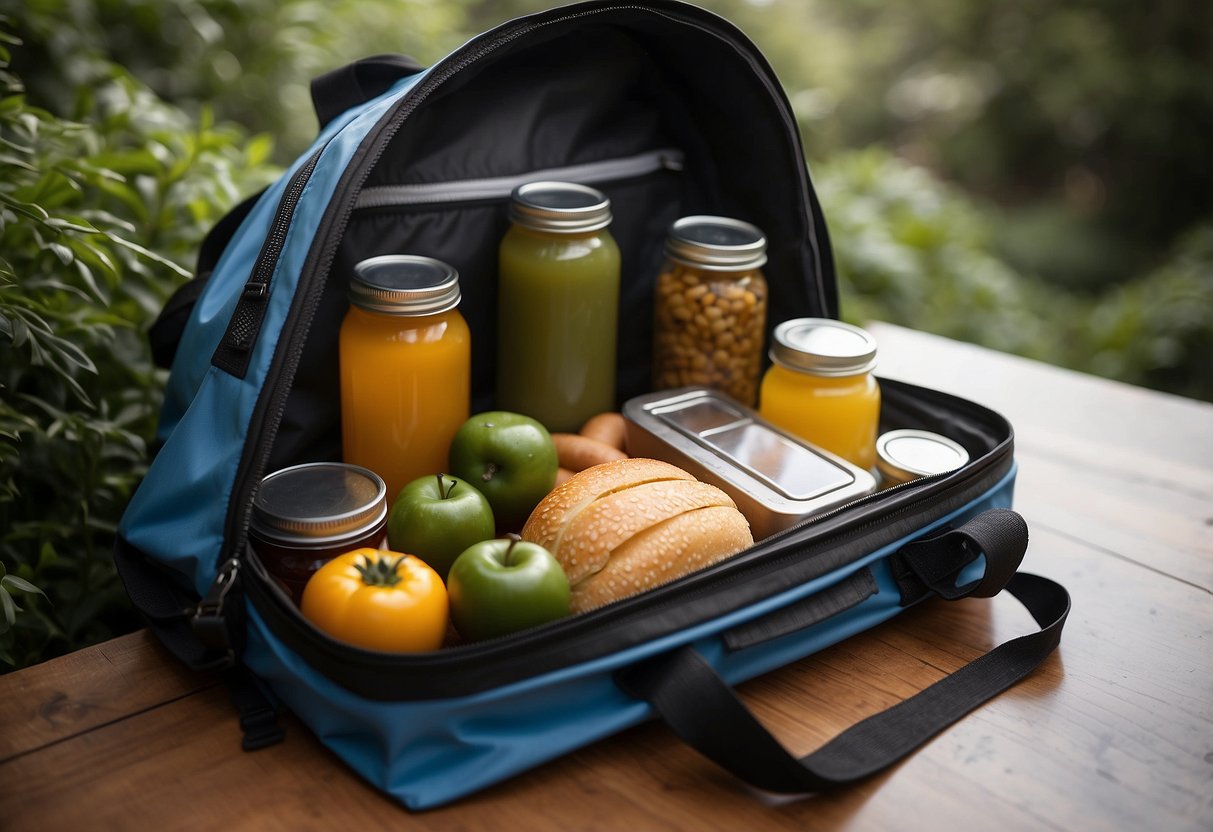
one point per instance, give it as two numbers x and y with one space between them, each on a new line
263 271
238 528
268 260
500 187
660 597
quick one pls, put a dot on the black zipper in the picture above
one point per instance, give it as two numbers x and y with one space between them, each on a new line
809 550
235 350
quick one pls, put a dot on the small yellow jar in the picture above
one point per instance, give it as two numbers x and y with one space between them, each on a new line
820 387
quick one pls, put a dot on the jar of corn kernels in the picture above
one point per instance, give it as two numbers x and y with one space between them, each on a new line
711 307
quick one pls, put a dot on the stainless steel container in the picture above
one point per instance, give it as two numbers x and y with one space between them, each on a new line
776 479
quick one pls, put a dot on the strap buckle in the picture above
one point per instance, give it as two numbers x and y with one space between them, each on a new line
210 622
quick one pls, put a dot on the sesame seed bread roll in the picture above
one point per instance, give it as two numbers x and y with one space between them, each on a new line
623 527
565 501
661 553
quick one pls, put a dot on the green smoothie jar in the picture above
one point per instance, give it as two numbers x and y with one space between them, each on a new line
558 305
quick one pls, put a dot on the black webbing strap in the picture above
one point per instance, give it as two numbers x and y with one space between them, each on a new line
258 717
934 564
705 712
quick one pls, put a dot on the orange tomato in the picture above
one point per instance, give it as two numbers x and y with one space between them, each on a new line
379 600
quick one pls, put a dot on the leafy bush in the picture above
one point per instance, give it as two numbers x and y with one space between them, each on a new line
251 60
98 214
915 251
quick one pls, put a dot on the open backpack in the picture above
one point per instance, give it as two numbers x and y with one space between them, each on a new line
670 111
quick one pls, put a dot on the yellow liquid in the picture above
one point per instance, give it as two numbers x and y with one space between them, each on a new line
841 415
557 310
405 390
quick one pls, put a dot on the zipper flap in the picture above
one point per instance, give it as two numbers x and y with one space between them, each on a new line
500 187
236 348
780 563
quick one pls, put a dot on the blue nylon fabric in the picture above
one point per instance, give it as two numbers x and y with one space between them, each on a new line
428 753
177 514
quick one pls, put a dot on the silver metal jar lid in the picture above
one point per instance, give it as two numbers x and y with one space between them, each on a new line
561 207
318 503
823 347
404 284
716 244
903 455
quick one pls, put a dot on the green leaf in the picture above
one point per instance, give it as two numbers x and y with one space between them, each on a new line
21 584
10 610
74 224
64 253
149 254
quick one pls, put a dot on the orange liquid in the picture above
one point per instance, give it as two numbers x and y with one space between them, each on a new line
839 414
405 390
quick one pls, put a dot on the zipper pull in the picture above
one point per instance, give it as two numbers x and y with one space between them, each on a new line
235 350
212 622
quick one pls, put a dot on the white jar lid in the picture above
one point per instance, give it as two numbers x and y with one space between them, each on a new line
823 347
903 455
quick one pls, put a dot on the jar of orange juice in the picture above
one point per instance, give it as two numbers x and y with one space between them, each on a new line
820 387
405 355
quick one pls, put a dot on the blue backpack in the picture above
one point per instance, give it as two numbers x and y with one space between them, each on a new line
671 111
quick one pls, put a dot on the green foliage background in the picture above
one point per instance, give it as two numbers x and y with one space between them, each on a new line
1032 176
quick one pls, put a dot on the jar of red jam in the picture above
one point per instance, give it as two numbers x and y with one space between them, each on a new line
306 515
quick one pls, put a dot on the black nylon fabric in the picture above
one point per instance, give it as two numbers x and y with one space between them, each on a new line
348 86
704 711
629 81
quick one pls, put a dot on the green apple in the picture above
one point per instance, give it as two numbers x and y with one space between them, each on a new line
501 586
436 517
510 458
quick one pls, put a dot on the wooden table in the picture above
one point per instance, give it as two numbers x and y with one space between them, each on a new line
1114 731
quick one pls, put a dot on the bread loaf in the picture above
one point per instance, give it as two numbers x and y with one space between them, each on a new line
623 527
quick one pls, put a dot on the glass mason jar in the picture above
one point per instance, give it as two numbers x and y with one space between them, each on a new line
306 515
820 387
405 355
711 307
558 305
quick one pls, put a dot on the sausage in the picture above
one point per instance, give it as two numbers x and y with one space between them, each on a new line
606 427
577 452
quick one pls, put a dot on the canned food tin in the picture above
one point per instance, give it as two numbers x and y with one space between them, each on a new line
903 455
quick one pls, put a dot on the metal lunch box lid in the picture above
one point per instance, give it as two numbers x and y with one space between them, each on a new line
716 244
903 455
318 503
823 347
561 207
404 284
